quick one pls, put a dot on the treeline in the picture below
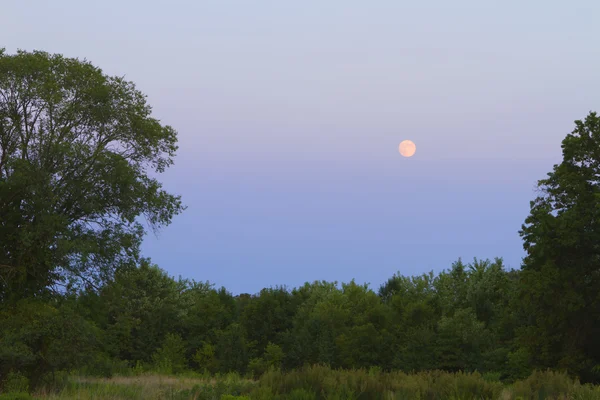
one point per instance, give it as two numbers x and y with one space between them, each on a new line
78 154
462 319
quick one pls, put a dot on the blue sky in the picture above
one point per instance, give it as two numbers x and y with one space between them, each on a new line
290 113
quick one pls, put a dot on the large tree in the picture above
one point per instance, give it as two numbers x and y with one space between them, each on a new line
560 280
78 152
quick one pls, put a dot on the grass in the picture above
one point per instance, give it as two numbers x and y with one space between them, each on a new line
319 382
130 387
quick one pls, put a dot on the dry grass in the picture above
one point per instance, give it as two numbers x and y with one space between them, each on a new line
151 380
320 382
121 387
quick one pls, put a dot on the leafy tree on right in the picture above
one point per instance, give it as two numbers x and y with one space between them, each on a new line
560 279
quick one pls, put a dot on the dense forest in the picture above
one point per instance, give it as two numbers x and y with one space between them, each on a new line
79 153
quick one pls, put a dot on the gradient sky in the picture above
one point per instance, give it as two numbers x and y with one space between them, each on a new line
289 115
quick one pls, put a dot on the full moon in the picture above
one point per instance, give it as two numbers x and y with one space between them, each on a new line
407 148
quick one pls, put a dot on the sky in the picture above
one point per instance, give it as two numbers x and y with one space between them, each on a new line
290 113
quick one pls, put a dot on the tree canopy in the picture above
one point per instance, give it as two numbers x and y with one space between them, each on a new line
561 272
78 150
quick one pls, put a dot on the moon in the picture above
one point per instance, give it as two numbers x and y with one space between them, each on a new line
407 148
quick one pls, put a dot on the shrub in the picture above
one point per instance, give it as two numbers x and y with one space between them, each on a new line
326 383
205 358
517 366
273 355
257 367
301 394
474 386
38 338
170 358
545 385
15 383
103 366
585 392
492 376
262 393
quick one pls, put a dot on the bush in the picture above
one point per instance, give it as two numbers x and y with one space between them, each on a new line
517 366
257 367
15 383
273 355
205 358
545 385
262 393
301 394
585 392
492 376
326 383
103 366
229 386
170 358
38 338
474 386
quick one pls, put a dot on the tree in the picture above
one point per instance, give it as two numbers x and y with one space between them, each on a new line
170 357
231 350
344 328
39 338
415 311
77 148
206 312
362 341
273 357
266 317
311 340
205 358
138 309
560 278
461 341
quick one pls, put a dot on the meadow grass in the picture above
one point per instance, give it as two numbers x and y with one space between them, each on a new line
319 382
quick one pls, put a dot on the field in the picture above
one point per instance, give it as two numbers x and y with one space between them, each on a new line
317 382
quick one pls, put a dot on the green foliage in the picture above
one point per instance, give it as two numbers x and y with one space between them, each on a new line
103 365
143 316
205 358
15 382
301 394
137 310
462 340
170 357
272 360
76 150
273 355
231 350
345 328
38 338
257 367
205 314
266 317
559 282
518 365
